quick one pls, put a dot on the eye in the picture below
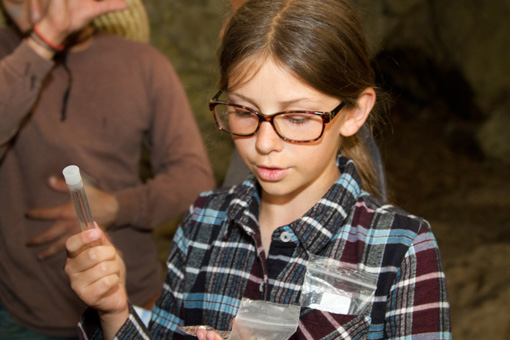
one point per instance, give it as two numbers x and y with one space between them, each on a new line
240 112
298 118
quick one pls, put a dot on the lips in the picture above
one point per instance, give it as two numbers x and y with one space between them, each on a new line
271 174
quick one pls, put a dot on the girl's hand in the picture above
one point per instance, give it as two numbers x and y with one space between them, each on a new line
104 207
97 275
203 334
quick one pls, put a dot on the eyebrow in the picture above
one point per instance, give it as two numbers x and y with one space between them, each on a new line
283 104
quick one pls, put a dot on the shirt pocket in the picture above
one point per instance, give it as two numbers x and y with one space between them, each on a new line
318 324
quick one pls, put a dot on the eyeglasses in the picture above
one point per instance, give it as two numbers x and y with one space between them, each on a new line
291 126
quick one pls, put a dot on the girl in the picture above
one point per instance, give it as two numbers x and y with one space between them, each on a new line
296 86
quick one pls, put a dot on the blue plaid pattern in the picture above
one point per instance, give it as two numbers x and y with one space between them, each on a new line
217 259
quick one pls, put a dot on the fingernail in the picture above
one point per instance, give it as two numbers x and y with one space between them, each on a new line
52 179
200 336
94 233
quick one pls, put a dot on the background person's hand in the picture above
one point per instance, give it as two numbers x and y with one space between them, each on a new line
59 18
104 208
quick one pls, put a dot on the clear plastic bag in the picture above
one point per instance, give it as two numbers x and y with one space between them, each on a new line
262 320
336 288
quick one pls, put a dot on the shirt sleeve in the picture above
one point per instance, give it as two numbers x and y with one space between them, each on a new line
178 157
90 327
417 307
165 314
21 75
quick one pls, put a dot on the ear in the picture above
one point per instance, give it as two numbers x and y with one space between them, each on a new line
356 116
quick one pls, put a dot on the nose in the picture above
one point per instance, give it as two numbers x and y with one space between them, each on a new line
267 139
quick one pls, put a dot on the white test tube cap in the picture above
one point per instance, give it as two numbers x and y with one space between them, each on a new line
72 177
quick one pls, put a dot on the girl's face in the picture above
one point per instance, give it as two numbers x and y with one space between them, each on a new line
24 13
287 171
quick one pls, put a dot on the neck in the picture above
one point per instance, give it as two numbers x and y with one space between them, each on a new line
276 214
277 211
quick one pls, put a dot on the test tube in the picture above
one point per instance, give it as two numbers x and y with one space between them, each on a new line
78 196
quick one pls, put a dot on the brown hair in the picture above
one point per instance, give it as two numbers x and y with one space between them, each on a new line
320 41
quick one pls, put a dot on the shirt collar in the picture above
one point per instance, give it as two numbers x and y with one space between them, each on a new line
318 225
243 208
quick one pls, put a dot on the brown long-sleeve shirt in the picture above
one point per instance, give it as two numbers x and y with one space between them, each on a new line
122 93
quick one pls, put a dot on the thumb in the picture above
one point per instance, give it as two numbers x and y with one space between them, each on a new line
105 238
57 184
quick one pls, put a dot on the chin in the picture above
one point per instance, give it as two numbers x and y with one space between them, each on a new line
277 189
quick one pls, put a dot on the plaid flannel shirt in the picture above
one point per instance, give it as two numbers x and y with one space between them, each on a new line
217 259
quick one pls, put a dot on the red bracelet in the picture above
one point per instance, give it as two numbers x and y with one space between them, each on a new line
52 46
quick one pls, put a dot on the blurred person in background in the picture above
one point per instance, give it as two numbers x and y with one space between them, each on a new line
72 94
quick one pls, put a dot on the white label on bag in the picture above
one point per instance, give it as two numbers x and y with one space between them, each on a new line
333 303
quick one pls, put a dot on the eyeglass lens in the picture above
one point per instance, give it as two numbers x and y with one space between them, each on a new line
300 126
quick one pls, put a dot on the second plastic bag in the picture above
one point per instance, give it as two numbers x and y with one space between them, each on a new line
262 320
336 288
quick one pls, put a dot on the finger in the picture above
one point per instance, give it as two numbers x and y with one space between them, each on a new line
76 243
89 258
54 248
98 8
59 229
111 5
45 214
89 267
92 265
106 241
57 184
93 293
212 335
35 11
201 333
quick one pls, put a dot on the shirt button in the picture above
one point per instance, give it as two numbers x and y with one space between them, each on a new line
285 236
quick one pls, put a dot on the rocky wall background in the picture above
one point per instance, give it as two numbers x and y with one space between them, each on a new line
187 31
431 52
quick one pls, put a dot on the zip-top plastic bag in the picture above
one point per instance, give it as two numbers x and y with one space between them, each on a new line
337 288
263 320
